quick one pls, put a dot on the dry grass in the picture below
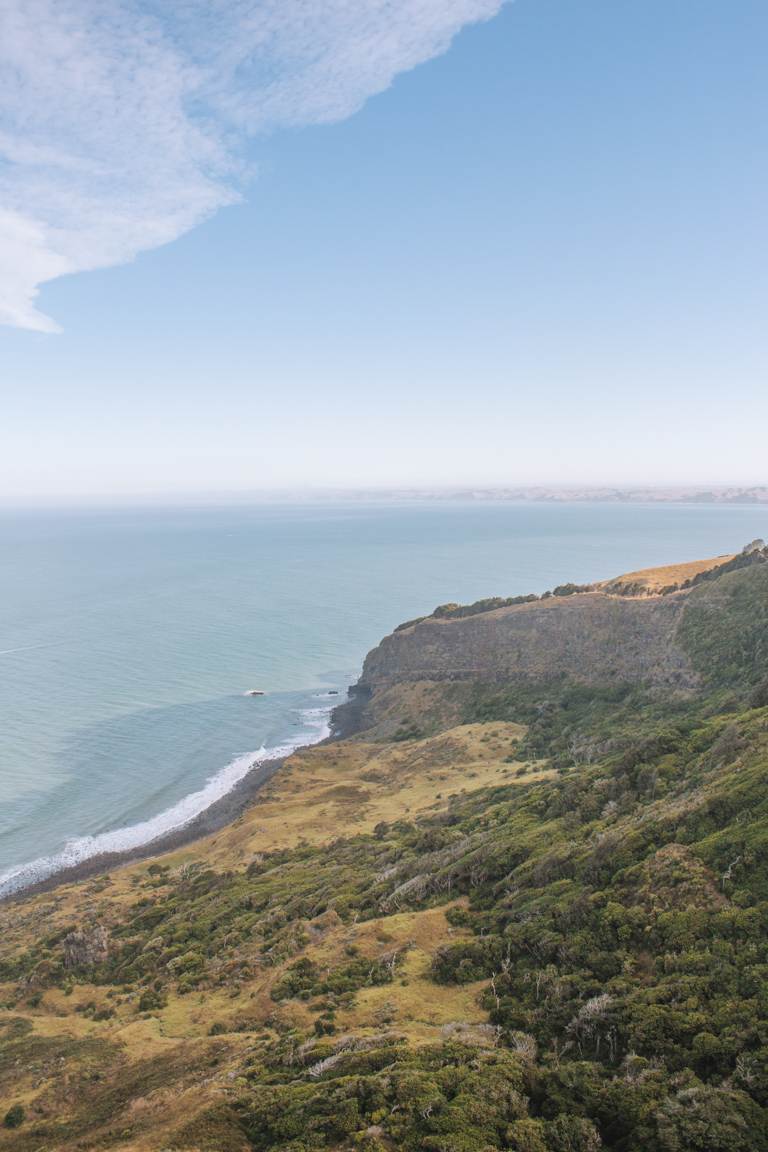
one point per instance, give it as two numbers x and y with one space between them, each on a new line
348 788
654 580
413 1006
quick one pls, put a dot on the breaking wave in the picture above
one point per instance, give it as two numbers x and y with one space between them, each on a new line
128 839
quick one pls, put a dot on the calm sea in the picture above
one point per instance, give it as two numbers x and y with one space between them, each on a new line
128 639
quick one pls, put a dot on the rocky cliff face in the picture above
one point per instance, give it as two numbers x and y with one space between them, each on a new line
587 638
667 641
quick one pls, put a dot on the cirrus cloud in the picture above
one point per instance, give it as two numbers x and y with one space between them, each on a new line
123 122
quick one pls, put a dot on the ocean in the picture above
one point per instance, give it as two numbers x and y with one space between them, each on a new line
129 639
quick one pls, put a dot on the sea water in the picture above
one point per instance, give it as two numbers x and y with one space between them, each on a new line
129 638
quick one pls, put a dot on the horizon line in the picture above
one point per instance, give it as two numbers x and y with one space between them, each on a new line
688 492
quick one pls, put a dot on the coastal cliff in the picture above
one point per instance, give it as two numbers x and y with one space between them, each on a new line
522 908
586 637
652 629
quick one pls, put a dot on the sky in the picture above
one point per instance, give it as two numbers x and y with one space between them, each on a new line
264 244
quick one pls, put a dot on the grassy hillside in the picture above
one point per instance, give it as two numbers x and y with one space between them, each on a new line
506 917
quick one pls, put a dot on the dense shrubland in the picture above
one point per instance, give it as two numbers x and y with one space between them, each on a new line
619 917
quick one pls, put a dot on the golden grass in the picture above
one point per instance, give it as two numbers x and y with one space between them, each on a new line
655 579
345 789
412 1005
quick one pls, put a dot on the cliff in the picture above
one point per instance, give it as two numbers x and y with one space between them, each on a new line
642 629
588 637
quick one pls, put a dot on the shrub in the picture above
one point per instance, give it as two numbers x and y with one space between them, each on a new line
14 1117
151 1001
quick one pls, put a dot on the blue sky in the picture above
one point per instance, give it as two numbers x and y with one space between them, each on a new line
536 257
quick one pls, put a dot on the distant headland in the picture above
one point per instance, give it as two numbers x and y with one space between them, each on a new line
556 494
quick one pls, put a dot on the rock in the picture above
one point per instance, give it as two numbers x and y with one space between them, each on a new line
86 946
755 546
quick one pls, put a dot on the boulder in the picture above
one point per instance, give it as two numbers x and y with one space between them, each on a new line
86 946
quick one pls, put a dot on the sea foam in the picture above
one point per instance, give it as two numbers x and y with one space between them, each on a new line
128 839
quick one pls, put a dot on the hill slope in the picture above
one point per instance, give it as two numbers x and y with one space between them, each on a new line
524 907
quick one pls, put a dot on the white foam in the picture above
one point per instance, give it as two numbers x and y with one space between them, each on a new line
134 836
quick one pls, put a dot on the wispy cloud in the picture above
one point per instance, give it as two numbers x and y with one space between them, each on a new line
122 123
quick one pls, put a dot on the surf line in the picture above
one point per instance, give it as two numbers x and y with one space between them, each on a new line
30 647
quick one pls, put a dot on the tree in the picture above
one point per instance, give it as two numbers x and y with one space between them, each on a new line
700 1118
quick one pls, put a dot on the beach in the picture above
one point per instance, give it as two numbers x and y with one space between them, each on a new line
222 812
214 815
